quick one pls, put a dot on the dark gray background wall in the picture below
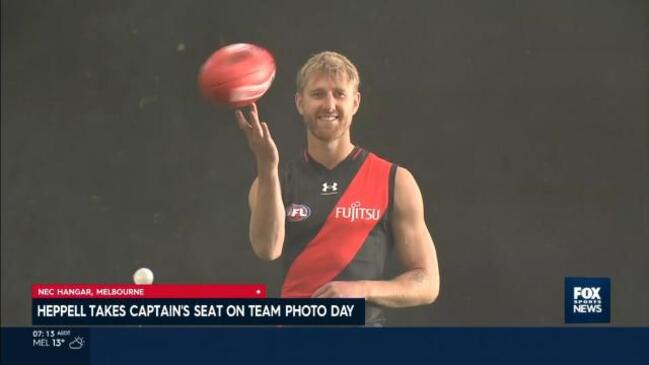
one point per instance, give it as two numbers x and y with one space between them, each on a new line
525 124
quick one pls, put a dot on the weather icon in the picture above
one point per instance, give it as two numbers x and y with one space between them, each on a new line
77 343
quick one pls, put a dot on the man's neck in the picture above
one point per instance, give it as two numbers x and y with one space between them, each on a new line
329 154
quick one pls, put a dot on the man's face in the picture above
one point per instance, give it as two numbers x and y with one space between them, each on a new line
327 106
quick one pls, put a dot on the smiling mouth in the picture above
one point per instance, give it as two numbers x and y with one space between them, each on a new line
328 118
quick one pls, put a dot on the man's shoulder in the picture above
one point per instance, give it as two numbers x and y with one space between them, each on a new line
294 161
381 159
293 166
378 155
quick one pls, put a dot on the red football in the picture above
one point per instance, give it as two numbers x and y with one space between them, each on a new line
237 75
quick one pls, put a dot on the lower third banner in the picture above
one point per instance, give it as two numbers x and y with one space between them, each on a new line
93 312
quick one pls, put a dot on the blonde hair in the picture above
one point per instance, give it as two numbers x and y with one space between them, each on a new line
329 63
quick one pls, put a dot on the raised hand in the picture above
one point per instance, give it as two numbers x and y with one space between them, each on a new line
259 139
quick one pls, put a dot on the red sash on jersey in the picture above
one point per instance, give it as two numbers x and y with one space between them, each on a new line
339 239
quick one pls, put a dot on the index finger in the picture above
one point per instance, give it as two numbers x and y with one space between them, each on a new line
241 120
254 115
253 110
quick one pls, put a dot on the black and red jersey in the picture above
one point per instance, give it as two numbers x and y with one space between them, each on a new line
337 223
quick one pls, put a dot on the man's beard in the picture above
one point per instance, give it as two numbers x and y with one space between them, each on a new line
326 134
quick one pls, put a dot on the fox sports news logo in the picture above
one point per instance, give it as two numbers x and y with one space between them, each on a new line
588 300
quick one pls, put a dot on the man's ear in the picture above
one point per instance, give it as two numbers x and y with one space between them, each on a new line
298 103
357 101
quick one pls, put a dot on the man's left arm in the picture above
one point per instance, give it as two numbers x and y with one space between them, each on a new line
419 284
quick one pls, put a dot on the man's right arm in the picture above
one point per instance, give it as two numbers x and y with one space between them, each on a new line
266 216
265 198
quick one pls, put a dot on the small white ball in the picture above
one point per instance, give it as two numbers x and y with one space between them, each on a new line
143 276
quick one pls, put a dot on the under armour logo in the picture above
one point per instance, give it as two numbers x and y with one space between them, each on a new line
329 189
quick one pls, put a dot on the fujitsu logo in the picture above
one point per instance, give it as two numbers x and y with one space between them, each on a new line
355 212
